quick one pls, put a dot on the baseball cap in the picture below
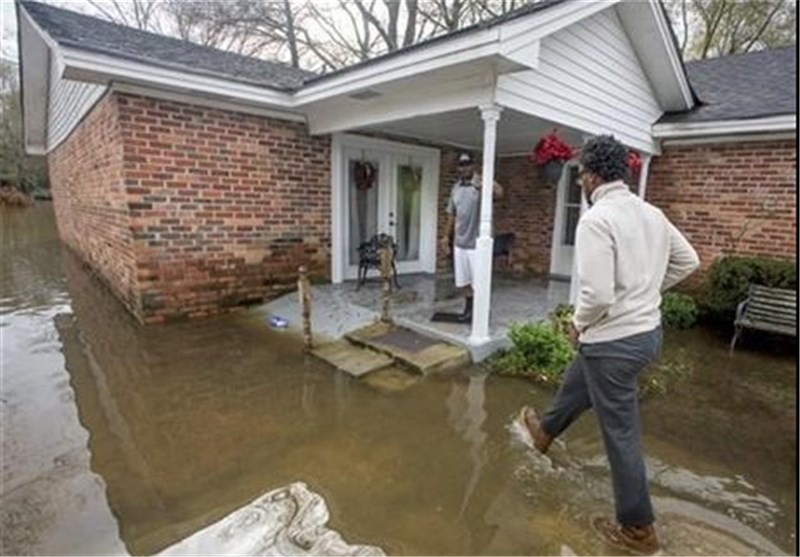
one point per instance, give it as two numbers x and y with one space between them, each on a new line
465 158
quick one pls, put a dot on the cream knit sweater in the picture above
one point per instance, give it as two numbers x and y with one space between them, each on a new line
627 254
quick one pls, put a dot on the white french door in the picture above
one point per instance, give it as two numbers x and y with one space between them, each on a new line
384 187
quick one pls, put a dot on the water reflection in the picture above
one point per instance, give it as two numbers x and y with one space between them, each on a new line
181 424
177 412
466 415
51 502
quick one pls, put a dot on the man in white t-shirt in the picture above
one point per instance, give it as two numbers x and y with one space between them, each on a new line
463 227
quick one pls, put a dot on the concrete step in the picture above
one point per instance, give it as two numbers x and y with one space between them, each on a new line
411 349
352 359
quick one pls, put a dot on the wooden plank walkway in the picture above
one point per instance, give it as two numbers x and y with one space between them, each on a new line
381 346
435 356
352 359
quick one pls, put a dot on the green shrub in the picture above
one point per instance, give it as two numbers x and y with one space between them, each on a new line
561 318
729 278
539 351
678 311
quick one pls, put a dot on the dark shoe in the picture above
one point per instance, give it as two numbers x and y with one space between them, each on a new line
466 315
641 539
541 440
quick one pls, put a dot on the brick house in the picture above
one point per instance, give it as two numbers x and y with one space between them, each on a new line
194 180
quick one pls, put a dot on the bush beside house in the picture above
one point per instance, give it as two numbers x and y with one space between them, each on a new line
729 279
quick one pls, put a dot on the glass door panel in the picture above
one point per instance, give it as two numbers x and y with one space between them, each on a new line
363 200
408 211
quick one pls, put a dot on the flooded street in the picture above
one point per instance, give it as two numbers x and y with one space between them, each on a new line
118 438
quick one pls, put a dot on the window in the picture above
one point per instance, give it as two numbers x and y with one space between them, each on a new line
572 208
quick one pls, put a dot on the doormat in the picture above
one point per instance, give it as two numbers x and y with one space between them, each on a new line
444 317
405 340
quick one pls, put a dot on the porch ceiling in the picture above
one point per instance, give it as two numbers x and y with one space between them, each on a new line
517 132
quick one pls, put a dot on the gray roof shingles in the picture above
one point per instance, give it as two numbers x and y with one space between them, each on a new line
74 29
70 28
742 86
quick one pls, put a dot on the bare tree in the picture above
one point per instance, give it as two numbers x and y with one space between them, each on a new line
142 14
710 28
24 172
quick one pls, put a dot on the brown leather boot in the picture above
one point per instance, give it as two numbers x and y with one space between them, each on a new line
530 420
641 539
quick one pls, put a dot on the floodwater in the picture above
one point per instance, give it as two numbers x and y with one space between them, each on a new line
118 438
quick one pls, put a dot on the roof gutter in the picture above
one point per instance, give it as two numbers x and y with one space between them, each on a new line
93 67
771 124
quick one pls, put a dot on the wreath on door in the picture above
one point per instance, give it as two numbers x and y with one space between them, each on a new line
365 174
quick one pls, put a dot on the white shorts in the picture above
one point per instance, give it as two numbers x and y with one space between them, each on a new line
463 263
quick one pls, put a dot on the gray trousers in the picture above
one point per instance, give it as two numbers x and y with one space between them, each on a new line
603 377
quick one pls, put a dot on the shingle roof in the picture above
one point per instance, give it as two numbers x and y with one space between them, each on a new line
69 28
742 86
78 30
736 87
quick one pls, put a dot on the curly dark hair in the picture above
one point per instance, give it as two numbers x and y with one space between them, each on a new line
605 156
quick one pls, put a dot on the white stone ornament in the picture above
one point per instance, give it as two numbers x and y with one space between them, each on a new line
287 521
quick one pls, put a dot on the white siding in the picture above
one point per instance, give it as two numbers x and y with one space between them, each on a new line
69 102
590 79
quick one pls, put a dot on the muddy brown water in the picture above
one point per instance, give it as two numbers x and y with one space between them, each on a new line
118 438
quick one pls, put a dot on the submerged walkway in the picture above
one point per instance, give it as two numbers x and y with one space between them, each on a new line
338 309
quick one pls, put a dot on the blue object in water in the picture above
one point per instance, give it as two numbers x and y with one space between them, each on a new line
278 322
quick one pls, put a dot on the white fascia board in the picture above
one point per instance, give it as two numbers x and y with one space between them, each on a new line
49 41
468 48
673 56
525 53
771 124
345 114
82 65
554 19
207 101
35 59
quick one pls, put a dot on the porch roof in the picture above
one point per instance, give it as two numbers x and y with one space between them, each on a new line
470 62
517 132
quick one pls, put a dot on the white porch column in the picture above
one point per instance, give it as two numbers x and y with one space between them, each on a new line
482 285
643 174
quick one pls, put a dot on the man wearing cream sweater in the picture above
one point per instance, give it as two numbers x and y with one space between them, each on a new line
627 254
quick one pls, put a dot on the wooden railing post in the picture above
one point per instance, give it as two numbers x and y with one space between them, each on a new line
386 274
304 292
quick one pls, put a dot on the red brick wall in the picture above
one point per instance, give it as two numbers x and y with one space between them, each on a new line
527 209
224 206
717 193
186 211
90 201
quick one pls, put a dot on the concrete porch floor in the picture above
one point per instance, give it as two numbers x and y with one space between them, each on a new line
339 308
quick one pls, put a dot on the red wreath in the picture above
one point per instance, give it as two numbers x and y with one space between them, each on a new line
365 174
